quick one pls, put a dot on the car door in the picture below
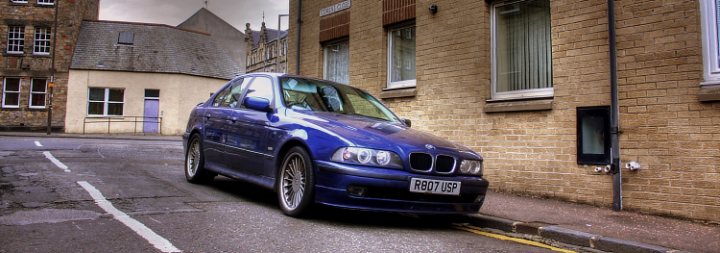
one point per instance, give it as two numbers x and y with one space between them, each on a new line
217 124
249 130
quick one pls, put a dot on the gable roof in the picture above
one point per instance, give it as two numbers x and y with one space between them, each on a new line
156 48
205 21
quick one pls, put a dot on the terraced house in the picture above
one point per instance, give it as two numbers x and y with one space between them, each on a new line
554 93
37 39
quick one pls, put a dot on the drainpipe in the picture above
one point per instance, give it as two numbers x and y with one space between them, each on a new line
298 21
614 112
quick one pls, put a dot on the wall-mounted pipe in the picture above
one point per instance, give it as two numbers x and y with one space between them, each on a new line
614 111
298 26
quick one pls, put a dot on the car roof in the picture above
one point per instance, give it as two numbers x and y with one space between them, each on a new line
279 75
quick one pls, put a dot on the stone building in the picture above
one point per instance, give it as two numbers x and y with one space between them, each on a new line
28 41
224 34
528 84
266 49
130 77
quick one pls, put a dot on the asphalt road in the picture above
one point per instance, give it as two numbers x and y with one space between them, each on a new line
43 208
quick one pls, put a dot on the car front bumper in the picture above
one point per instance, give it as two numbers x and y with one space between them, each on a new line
388 190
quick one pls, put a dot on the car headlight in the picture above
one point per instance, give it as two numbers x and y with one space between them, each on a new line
471 167
369 157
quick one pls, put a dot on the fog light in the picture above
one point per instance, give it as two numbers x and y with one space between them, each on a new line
356 190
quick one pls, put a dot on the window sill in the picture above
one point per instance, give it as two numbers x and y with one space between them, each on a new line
398 93
541 104
709 93
105 116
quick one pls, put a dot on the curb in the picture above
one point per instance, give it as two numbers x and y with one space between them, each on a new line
564 235
101 137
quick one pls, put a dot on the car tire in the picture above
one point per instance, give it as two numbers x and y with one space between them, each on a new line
195 171
296 183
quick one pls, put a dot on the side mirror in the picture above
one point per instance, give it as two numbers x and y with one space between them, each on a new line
407 122
258 104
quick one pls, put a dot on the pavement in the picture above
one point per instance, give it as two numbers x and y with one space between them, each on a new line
593 227
549 220
139 136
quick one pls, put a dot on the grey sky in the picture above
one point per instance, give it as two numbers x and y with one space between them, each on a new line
173 12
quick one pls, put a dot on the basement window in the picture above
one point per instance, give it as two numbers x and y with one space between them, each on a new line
593 135
126 38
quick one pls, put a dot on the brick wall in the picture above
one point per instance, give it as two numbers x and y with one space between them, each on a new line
29 15
675 137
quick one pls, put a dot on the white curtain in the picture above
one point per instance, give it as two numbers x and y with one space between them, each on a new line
337 61
403 54
523 46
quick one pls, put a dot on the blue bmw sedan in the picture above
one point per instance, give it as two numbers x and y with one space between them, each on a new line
315 141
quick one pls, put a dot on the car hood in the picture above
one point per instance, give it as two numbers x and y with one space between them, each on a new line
379 134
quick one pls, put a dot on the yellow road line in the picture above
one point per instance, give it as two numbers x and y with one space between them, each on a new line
476 230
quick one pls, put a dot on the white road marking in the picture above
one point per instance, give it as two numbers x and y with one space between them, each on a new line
56 161
37 143
156 240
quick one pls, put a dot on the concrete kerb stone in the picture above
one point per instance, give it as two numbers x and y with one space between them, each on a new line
568 236
619 245
565 235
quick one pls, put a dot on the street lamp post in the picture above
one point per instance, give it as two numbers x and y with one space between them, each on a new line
51 84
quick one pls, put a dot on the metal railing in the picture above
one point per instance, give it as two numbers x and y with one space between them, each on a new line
123 119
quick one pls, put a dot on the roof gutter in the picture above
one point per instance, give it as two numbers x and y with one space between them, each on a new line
298 22
614 111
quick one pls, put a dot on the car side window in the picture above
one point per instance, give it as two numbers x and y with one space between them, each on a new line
261 87
230 96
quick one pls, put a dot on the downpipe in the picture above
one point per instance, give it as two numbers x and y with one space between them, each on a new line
614 112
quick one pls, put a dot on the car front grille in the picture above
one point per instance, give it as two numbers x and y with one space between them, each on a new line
444 164
423 162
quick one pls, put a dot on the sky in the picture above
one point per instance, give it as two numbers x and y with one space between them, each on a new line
174 12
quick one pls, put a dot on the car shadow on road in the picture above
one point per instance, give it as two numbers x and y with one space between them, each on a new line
331 215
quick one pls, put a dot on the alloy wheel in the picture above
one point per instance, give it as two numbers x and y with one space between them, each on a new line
293 181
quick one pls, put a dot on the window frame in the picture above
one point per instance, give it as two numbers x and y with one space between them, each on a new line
106 102
19 1
325 48
5 92
710 50
46 41
46 2
404 83
32 92
509 95
16 41
593 159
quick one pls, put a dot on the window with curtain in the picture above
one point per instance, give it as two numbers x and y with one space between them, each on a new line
401 57
337 62
522 49
710 22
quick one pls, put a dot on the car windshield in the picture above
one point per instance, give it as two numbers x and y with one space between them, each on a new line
319 96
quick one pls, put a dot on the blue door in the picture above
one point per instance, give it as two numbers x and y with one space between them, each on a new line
151 124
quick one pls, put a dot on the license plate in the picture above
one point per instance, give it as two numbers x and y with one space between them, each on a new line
431 186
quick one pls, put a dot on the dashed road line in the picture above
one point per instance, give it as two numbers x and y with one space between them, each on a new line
37 143
55 161
478 231
156 240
